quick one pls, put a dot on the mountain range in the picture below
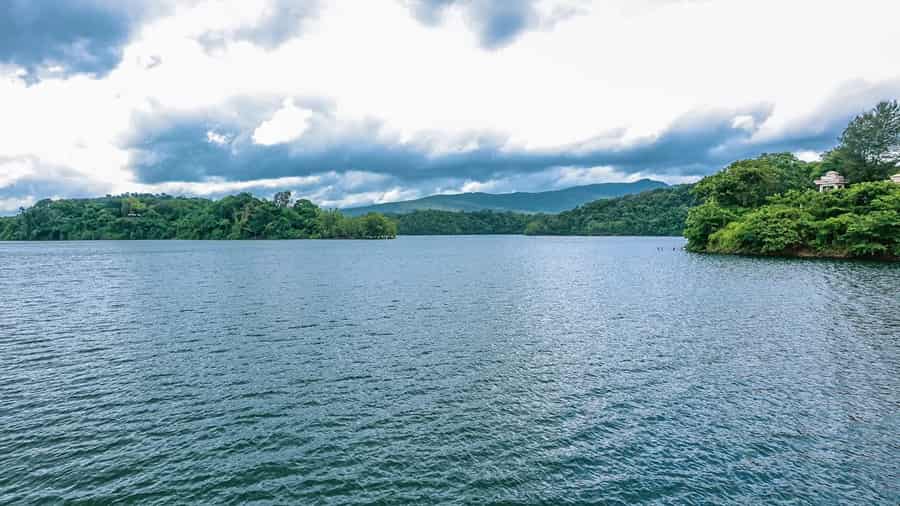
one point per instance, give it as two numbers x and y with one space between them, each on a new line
554 201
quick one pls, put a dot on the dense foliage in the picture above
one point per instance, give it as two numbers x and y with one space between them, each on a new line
240 216
432 222
743 185
768 205
860 221
748 183
655 212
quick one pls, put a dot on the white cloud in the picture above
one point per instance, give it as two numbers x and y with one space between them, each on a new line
11 205
286 125
12 171
361 198
576 176
216 138
744 122
808 156
476 186
217 187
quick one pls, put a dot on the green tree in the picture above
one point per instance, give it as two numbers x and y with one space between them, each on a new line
376 226
705 220
134 216
874 138
748 183
282 199
850 165
654 212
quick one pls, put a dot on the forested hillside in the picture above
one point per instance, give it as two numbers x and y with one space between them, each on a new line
431 222
769 206
164 217
655 212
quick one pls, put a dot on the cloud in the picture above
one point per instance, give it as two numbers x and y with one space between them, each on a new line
225 143
237 142
274 23
820 129
497 24
264 144
58 38
287 124
47 37
11 205
25 180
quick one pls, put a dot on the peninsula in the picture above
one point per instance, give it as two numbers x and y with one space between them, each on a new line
845 206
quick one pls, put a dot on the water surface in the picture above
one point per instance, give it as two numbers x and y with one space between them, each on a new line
532 370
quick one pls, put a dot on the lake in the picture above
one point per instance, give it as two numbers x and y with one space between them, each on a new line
460 370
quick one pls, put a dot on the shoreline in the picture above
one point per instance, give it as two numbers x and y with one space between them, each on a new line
803 255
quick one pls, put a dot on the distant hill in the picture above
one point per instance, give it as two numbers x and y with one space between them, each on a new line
522 202
654 212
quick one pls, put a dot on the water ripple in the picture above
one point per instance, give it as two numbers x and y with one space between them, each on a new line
456 370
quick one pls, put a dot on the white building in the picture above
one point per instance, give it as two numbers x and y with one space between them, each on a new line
896 178
831 181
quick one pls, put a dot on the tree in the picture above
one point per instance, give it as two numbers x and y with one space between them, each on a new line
136 216
849 164
874 139
376 226
705 220
748 183
282 199
653 212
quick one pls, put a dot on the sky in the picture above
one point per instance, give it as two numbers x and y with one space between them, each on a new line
350 102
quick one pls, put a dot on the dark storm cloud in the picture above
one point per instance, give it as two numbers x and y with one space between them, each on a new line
88 36
219 144
81 36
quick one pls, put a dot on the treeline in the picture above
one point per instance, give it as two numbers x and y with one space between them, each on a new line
654 212
769 206
142 216
434 222
132 216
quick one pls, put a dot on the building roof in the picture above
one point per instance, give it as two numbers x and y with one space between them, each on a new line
831 177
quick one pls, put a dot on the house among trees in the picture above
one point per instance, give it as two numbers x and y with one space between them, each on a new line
831 181
896 178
